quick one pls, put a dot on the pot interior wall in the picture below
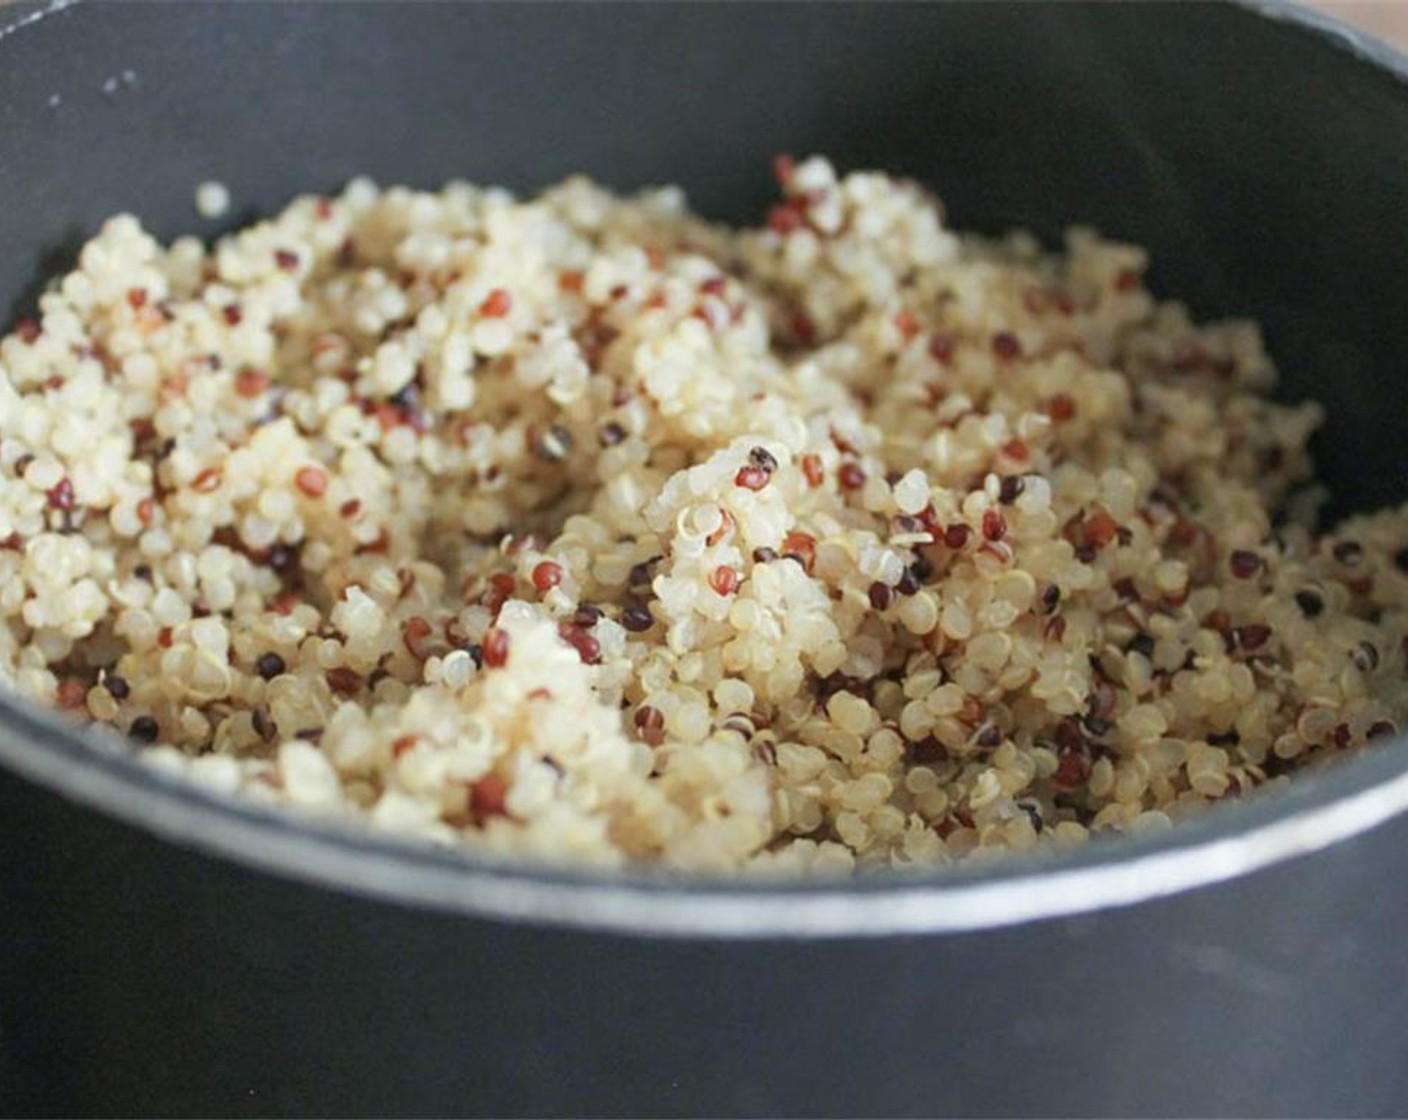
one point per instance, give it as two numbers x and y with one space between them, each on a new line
1263 167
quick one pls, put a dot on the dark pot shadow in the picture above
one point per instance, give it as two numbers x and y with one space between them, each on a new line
51 264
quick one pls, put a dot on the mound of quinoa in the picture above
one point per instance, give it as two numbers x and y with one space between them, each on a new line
580 528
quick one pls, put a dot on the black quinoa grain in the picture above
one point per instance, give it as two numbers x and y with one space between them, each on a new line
117 686
553 444
764 555
640 573
927 752
1348 553
1310 603
1366 656
269 666
989 736
1142 643
611 434
280 558
1050 598
143 729
1097 726
763 459
637 619
1010 489
1033 812
742 724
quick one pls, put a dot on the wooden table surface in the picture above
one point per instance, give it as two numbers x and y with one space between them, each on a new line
1387 19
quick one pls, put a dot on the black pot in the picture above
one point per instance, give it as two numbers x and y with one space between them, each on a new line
162 951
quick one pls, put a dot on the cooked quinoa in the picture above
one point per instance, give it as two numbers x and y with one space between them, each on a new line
581 528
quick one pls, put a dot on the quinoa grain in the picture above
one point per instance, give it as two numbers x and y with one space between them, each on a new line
839 542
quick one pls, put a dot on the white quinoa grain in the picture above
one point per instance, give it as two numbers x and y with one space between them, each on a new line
212 200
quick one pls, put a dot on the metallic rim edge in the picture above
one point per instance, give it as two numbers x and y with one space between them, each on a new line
1125 873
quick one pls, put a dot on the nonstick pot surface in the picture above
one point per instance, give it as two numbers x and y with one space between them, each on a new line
1261 162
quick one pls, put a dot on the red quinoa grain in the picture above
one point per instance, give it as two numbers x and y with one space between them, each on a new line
313 481
1061 408
62 496
941 347
724 580
1006 346
751 478
496 305
547 575
1244 564
251 383
488 798
650 725
495 647
994 525
207 481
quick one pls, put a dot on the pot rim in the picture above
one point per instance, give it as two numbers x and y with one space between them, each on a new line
1319 809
